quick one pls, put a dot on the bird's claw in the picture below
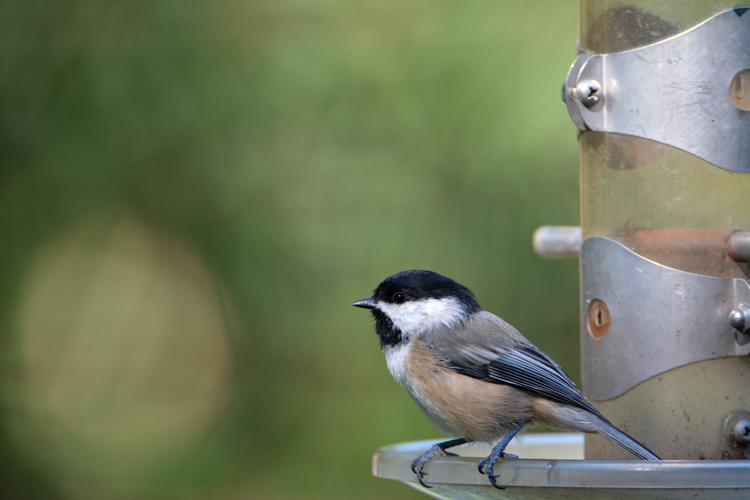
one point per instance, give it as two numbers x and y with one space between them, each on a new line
493 477
493 481
487 466
417 465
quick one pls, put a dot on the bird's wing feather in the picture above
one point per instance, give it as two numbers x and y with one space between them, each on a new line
489 349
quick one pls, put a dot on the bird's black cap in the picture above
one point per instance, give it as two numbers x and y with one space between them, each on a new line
419 284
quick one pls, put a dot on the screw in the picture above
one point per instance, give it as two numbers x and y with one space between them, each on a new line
740 321
741 431
737 319
588 92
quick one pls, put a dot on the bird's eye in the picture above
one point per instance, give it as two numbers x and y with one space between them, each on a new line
399 298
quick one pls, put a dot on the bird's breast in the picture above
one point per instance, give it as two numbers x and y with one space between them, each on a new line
396 357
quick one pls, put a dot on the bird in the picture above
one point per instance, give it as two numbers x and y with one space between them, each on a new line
474 376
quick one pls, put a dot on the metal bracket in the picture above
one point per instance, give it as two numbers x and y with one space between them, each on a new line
691 91
640 318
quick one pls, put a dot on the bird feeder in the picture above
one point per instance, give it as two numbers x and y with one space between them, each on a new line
660 92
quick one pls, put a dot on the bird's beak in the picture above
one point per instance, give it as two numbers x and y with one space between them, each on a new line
365 303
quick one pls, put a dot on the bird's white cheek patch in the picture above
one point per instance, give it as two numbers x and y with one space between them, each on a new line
421 315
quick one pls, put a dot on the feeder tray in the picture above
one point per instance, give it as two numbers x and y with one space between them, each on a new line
563 474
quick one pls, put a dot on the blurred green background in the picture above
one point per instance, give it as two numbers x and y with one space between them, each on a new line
192 194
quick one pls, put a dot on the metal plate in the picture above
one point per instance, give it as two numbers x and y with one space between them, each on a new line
660 318
676 91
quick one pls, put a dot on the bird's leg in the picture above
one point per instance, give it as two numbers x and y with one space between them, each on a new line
417 465
487 465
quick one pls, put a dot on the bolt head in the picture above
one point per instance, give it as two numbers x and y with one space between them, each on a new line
738 319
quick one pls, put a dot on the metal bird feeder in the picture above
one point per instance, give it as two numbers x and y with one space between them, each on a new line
660 93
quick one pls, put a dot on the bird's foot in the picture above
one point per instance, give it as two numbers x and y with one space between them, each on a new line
417 465
487 465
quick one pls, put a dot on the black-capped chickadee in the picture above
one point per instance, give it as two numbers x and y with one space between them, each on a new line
474 376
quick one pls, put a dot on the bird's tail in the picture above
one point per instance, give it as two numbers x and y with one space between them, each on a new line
615 435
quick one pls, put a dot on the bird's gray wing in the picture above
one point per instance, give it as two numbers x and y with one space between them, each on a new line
489 349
